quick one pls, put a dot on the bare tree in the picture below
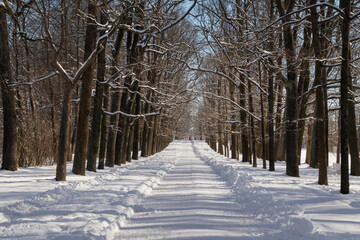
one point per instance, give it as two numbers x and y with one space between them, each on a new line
9 159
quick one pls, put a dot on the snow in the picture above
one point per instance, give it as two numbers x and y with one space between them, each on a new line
92 209
185 192
297 203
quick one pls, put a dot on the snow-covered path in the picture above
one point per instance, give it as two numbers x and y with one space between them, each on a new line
187 191
192 202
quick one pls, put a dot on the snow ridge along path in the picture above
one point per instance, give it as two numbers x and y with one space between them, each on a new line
194 202
275 219
205 197
188 191
93 209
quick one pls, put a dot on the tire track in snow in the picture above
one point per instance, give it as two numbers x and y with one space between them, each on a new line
192 202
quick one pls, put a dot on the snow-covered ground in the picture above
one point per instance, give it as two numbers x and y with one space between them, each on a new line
297 203
91 209
185 192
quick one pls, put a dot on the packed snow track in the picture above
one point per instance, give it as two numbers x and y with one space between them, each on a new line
187 191
192 202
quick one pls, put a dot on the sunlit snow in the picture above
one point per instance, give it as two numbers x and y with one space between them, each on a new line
185 192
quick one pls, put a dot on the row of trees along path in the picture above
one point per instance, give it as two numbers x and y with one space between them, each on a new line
109 80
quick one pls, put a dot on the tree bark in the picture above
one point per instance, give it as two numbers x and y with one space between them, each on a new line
271 99
135 150
252 126
145 135
345 5
63 148
263 147
319 83
243 119
219 108
308 145
53 122
82 135
233 146
9 158
104 124
292 167
353 137
303 86
97 111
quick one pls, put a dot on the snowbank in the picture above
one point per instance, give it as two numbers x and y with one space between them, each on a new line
287 220
92 209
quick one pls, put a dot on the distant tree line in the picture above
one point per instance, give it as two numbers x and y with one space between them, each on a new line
279 74
111 80
87 80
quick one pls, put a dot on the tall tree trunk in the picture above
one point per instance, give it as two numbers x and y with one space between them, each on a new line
145 135
252 126
121 138
53 122
353 137
271 124
113 130
219 108
292 167
319 83
104 126
345 5
303 86
135 150
155 136
278 132
9 158
352 130
263 147
63 148
82 135
151 134
73 129
271 100
308 145
233 146
98 103
115 106
243 118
